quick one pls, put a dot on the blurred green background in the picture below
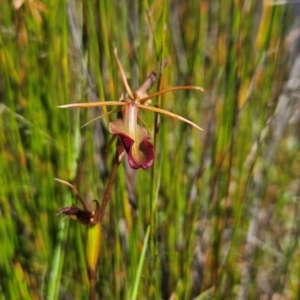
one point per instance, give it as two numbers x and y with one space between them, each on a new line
225 211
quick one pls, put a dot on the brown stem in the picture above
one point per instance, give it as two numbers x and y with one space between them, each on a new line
99 214
92 289
117 160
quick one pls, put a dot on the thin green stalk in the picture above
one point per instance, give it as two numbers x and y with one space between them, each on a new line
151 25
140 267
57 262
154 184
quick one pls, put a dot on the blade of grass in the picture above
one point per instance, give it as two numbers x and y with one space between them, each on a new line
140 267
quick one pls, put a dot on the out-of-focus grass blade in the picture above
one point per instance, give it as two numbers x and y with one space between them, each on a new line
139 270
57 262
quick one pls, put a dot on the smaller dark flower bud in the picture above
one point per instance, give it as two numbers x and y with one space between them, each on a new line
80 215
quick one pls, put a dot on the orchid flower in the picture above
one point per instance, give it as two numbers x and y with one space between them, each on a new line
134 137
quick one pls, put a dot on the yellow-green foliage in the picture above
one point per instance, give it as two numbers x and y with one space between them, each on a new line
223 204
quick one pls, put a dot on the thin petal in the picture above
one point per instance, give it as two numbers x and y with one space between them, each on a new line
75 191
124 79
167 113
100 117
93 104
175 88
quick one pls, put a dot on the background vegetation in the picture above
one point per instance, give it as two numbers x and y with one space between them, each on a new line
226 201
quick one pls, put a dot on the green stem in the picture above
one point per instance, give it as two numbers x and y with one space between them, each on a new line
154 183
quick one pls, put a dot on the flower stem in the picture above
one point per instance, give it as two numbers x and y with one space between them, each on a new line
117 160
94 231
